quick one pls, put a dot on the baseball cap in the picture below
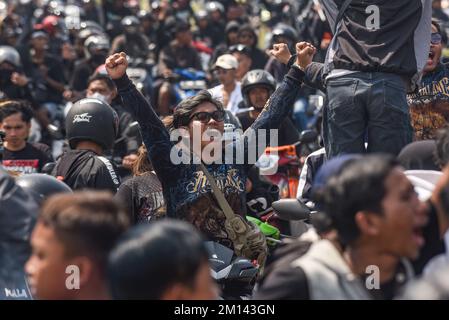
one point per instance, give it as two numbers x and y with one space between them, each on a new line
226 61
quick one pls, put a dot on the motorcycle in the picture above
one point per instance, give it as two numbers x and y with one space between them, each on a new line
235 276
188 82
286 164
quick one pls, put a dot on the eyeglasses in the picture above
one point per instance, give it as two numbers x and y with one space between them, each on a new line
205 117
436 38
240 48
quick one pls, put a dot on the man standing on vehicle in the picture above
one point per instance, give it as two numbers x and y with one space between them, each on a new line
377 54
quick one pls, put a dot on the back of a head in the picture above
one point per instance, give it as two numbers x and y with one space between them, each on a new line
359 186
149 259
87 223
92 120
42 186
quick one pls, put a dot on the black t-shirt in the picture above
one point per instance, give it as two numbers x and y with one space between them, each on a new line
288 134
30 159
84 169
142 197
83 70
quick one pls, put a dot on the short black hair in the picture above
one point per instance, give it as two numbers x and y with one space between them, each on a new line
102 77
88 223
150 258
10 107
185 109
437 24
359 187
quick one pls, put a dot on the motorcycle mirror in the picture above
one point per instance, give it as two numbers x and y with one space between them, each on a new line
48 168
55 132
308 136
132 130
291 209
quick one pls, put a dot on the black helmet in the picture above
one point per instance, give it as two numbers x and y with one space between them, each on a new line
41 186
257 78
94 43
129 21
145 15
94 120
10 55
285 31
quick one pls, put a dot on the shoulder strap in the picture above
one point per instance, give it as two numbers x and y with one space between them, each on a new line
222 202
341 13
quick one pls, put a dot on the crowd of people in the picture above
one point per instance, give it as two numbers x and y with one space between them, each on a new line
130 133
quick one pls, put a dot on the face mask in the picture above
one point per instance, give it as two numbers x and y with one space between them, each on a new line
99 58
5 76
100 97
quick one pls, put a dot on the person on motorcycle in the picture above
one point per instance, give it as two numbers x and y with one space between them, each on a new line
178 54
132 40
257 87
44 70
248 37
281 34
13 82
142 194
18 154
91 128
231 31
101 87
243 55
96 49
166 260
229 91
72 238
185 186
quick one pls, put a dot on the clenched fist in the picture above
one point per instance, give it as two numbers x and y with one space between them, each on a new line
305 52
116 65
281 52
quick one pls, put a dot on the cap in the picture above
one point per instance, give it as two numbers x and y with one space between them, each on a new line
226 61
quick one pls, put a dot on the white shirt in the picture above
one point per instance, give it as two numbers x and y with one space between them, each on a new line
234 99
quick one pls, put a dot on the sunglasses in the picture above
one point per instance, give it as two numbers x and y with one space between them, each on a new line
436 38
205 117
240 48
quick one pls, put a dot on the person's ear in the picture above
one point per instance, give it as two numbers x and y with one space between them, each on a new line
114 94
85 270
369 223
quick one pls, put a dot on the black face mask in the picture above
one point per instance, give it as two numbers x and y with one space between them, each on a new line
99 58
5 76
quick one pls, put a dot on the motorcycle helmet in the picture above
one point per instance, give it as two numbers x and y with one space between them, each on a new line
93 120
130 25
284 31
257 78
41 186
95 44
10 55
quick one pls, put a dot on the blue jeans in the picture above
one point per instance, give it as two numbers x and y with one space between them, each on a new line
366 107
